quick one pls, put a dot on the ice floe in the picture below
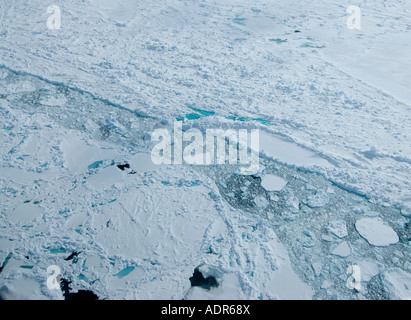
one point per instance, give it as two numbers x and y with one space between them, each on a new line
376 232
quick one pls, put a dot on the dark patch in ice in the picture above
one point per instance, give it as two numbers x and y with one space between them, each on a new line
4 291
242 190
6 261
80 295
278 41
198 280
73 255
376 290
122 167
371 154
125 272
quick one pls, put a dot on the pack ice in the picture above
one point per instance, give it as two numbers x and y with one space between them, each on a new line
79 191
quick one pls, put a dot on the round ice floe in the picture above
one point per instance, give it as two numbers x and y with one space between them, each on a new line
272 182
376 232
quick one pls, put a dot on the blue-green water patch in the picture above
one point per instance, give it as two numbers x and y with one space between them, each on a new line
197 114
203 112
83 278
64 212
95 165
100 163
125 272
181 184
240 21
193 116
26 267
247 119
311 45
58 250
278 41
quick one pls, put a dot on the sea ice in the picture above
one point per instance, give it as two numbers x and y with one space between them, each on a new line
338 228
320 199
397 283
272 182
376 232
342 250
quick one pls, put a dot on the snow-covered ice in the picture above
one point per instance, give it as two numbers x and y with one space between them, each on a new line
78 105
272 182
342 250
397 284
376 231
338 228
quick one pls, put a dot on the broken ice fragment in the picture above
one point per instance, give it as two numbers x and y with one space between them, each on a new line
308 239
342 250
272 182
293 204
327 284
261 202
320 199
338 228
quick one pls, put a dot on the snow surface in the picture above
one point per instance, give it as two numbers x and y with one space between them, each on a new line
397 284
343 93
333 106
